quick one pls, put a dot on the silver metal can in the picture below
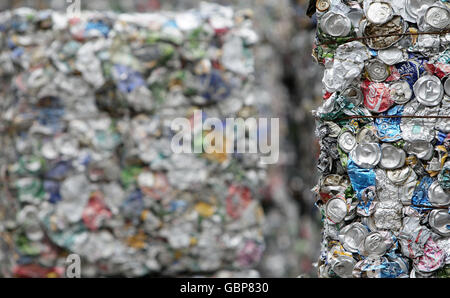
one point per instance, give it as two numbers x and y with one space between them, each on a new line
406 189
417 274
412 237
347 141
446 83
413 7
335 24
343 266
375 245
401 92
437 196
418 129
366 135
369 267
370 223
437 17
336 210
391 56
429 90
421 149
379 12
439 220
352 237
377 71
366 156
388 213
355 95
392 157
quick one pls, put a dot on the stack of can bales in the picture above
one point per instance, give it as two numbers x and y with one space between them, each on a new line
384 132
86 160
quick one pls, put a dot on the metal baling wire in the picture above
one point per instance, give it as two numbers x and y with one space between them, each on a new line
395 116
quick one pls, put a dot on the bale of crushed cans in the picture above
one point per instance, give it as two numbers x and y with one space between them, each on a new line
85 156
384 191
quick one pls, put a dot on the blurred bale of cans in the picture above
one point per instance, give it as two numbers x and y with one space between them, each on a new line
384 134
87 162
287 87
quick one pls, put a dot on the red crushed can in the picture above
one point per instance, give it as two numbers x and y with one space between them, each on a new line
377 97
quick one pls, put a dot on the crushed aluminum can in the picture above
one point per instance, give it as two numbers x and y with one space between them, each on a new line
379 267
421 149
352 237
332 185
440 222
347 141
368 202
379 12
376 243
392 157
388 129
401 92
444 176
388 215
413 237
411 70
336 210
437 17
361 180
432 259
399 176
335 24
446 83
412 8
391 56
395 26
367 135
346 66
420 196
377 71
428 90
366 156
342 264
437 196
355 95
418 129
377 96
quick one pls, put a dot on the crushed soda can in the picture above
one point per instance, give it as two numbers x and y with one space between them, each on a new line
392 144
